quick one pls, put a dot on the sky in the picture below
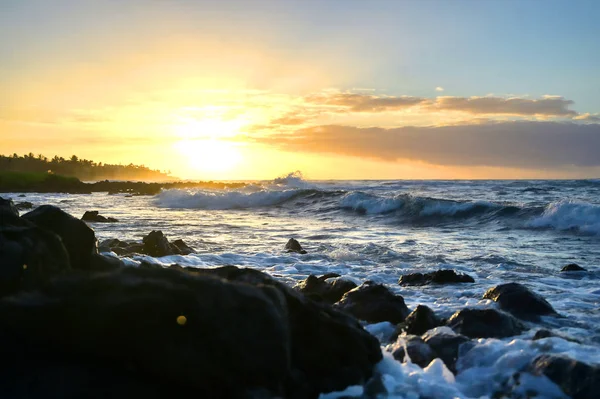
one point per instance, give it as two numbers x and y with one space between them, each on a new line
249 89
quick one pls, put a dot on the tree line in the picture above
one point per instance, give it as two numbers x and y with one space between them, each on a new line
83 169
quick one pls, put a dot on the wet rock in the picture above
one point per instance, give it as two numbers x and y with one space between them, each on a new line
575 378
572 267
519 301
437 277
9 214
24 205
321 290
294 246
485 323
446 346
373 303
95 217
78 238
419 321
29 255
182 247
156 244
211 337
102 263
330 350
419 352
8 206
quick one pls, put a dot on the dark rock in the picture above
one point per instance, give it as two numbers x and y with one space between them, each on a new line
24 205
8 206
373 303
78 238
575 378
9 214
22 195
319 289
330 350
29 255
233 339
519 301
419 321
419 352
572 267
446 347
437 277
95 217
156 244
485 323
294 246
182 247
103 263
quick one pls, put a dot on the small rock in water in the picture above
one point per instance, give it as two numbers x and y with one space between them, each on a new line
182 247
373 303
157 245
485 323
437 277
573 267
519 301
446 346
543 333
419 352
94 216
24 205
419 321
294 246
321 290
575 378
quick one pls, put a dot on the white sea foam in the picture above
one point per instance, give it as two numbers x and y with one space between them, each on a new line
569 214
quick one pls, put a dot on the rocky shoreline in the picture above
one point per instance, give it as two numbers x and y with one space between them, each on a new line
79 321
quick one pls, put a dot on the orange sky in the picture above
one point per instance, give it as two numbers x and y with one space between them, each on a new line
154 89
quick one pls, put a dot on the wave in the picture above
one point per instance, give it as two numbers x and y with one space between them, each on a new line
222 200
292 179
415 206
570 215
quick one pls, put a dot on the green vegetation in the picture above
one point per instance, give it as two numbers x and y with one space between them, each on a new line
82 169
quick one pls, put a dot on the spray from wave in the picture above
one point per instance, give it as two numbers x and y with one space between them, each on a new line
570 215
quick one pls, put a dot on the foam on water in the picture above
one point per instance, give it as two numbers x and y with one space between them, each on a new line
569 214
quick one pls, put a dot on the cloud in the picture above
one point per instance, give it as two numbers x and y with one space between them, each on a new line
365 102
546 106
524 144
439 88
588 117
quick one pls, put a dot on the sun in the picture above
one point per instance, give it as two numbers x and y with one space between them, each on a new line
207 148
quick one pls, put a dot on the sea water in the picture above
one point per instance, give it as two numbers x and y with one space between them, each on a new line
496 231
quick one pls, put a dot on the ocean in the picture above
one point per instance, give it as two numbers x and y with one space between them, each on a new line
496 231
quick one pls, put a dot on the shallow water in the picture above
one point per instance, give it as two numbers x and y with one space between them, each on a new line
496 231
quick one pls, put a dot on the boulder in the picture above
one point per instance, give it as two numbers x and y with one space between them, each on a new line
437 277
95 217
519 301
9 215
373 303
575 378
419 321
161 327
572 267
330 350
121 248
419 352
29 255
156 244
485 323
8 206
543 333
446 346
77 237
102 263
321 290
294 246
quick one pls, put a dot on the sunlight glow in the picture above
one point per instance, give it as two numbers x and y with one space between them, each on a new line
210 157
